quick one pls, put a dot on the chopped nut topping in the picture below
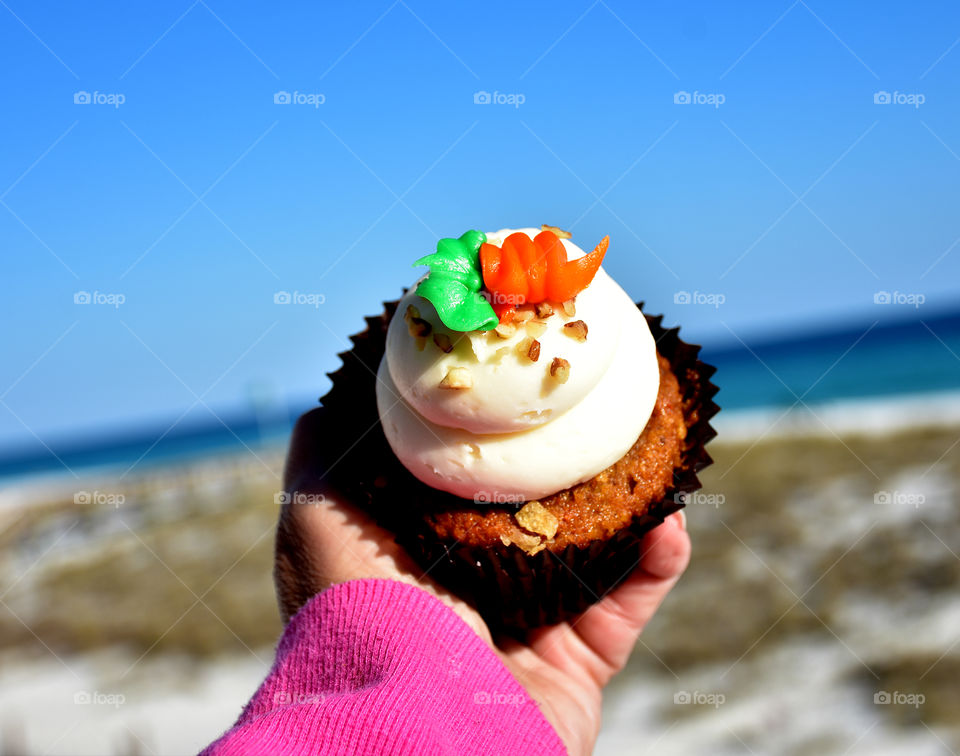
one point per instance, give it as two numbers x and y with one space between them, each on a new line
443 342
569 308
412 312
536 518
543 309
560 233
531 544
457 378
576 329
419 327
534 351
536 328
560 369
505 330
529 348
523 315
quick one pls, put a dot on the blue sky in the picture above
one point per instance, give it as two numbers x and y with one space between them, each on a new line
197 198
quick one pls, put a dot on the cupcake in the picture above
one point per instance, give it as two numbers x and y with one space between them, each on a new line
528 424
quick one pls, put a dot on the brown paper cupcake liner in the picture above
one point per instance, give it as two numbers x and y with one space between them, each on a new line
512 590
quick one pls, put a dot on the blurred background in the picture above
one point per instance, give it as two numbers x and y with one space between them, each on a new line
200 201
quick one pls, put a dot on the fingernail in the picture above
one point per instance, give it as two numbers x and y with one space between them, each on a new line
683 518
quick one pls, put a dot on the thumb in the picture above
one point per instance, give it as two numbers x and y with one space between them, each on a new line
609 629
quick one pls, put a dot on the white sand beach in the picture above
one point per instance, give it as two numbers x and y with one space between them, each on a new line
819 613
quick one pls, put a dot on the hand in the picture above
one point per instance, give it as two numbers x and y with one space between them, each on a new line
564 667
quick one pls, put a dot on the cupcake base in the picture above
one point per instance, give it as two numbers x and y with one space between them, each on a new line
511 589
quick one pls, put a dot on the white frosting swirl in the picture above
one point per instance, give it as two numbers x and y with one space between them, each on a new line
517 434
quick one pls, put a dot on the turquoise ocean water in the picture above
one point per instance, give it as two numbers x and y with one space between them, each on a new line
916 355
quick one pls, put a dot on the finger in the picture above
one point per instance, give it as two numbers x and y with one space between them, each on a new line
325 540
304 457
612 626
665 551
312 548
294 576
346 543
599 642
322 540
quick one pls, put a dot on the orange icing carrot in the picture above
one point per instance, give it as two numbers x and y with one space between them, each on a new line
532 271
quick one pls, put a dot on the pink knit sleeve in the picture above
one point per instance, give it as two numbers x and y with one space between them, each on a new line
383 667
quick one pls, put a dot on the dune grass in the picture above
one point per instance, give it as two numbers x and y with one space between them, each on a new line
184 564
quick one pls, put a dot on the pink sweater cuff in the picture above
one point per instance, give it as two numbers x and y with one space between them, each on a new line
378 666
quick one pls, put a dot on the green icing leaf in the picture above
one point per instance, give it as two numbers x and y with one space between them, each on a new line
454 282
